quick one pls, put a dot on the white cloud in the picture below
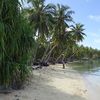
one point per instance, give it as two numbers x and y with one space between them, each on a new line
94 17
68 29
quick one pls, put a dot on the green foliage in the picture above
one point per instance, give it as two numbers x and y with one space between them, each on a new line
16 43
51 23
77 32
87 52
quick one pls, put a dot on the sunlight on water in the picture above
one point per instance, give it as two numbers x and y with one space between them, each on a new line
91 74
89 66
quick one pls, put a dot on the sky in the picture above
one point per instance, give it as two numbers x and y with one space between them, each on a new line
87 12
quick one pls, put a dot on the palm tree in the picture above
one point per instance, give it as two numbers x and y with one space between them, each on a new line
77 35
41 19
62 18
77 32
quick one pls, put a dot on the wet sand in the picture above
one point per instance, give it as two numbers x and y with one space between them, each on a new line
93 85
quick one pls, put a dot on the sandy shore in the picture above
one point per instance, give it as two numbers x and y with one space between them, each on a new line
51 83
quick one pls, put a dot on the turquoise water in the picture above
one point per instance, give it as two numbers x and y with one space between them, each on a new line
90 70
87 66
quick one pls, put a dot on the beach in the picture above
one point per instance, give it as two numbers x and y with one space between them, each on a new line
51 83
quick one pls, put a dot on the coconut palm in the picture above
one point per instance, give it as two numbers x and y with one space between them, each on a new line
62 19
41 19
77 31
77 35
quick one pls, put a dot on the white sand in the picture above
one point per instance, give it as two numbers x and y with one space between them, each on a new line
51 83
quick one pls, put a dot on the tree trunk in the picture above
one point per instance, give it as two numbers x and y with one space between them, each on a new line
43 57
37 46
49 54
58 57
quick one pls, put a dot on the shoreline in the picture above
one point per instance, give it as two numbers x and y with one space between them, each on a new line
51 83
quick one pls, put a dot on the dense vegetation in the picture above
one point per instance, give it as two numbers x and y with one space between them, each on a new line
43 33
83 52
16 43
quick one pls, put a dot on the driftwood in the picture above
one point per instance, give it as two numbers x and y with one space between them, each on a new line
39 65
5 91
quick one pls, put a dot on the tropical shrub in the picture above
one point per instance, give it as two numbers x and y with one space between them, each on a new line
16 44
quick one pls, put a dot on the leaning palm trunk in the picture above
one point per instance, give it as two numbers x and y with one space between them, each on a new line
58 58
44 55
49 53
35 52
16 44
